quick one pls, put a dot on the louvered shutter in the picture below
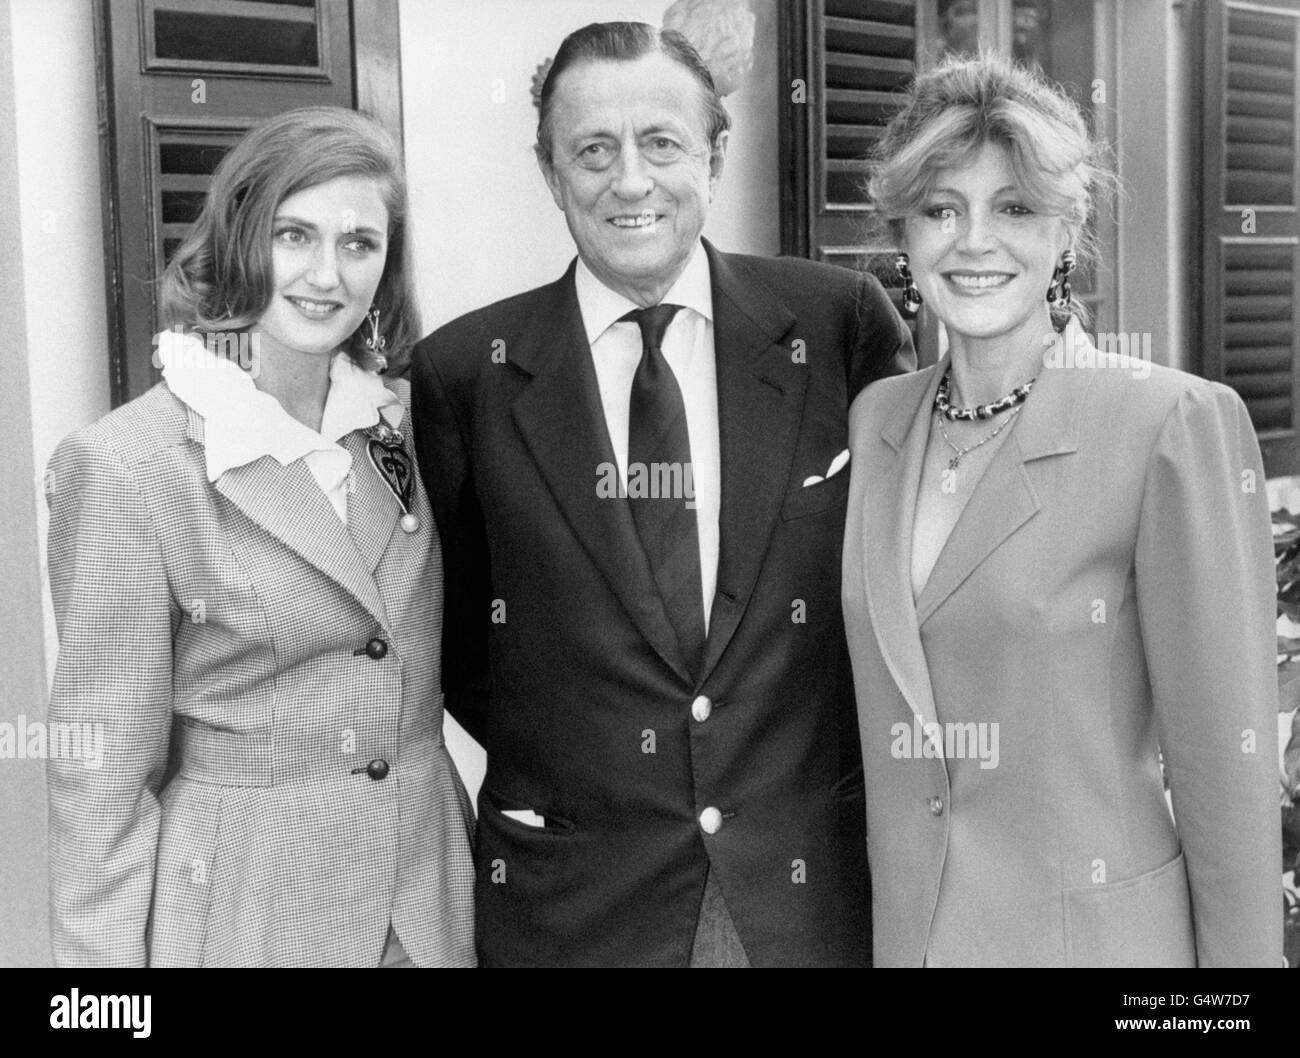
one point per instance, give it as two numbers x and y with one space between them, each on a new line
1251 252
181 81
854 59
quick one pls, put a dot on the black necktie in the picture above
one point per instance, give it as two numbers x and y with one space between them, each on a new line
661 484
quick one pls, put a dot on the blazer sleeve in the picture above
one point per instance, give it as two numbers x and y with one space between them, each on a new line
882 343
443 450
1206 600
113 680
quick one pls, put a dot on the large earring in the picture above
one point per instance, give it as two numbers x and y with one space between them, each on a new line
911 295
1058 291
376 342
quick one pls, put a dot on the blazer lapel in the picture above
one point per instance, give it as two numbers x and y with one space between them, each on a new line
890 510
288 503
560 417
1004 498
760 403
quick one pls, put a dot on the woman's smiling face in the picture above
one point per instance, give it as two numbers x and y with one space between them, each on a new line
329 246
980 253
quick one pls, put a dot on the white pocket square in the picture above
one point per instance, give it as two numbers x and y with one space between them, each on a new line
837 464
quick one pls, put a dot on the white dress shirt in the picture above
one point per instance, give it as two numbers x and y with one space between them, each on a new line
241 424
688 348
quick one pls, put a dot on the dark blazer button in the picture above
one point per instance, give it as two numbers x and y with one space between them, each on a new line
377 769
376 649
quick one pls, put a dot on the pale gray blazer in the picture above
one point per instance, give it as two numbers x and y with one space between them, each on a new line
1107 593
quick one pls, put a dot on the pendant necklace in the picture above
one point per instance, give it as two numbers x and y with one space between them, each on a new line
388 456
955 461
944 410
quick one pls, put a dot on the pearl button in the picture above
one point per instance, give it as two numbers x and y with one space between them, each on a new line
377 769
376 649
409 523
710 820
936 806
701 708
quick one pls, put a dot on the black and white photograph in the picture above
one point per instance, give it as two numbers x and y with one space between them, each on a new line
651 483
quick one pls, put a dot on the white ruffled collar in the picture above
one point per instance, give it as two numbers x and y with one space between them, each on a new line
241 424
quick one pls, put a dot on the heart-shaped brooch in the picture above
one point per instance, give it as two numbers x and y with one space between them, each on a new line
388 456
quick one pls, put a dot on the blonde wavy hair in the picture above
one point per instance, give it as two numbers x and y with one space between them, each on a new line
952 111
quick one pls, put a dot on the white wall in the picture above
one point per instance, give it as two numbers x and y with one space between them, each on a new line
62 236
485 225
56 379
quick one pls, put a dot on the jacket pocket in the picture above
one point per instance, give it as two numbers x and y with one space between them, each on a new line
814 499
1142 921
493 806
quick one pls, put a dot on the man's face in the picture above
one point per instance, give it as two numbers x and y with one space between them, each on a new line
633 169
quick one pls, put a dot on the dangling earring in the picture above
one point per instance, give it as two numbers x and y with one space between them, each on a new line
911 295
376 342
1058 292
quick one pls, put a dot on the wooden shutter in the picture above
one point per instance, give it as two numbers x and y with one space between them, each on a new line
853 58
1251 237
181 81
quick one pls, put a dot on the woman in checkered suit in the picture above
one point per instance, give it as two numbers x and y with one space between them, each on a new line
248 587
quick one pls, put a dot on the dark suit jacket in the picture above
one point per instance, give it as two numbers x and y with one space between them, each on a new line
559 657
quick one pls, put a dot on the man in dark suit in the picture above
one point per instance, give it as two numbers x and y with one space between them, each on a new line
638 474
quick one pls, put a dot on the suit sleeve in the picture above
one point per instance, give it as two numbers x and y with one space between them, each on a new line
113 683
1206 602
882 342
447 472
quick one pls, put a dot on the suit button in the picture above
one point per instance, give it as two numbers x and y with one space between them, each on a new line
377 769
376 649
701 708
710 820
936 806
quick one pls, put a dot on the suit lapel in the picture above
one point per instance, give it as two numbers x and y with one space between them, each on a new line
560 417
760 403
289 504
1004 498
889 495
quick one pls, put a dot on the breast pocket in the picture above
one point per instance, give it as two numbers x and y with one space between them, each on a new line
814 499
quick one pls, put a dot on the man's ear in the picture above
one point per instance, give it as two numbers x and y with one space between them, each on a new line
717 160
549 175
718 157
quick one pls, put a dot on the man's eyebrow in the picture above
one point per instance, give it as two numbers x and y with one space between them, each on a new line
595 132
286 218
664 126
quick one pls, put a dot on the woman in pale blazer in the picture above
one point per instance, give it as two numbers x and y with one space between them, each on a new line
1044 597
248 588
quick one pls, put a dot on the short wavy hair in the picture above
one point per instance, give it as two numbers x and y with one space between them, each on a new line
626 42
220 278
953 110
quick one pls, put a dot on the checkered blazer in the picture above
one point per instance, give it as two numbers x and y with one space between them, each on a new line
217 632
